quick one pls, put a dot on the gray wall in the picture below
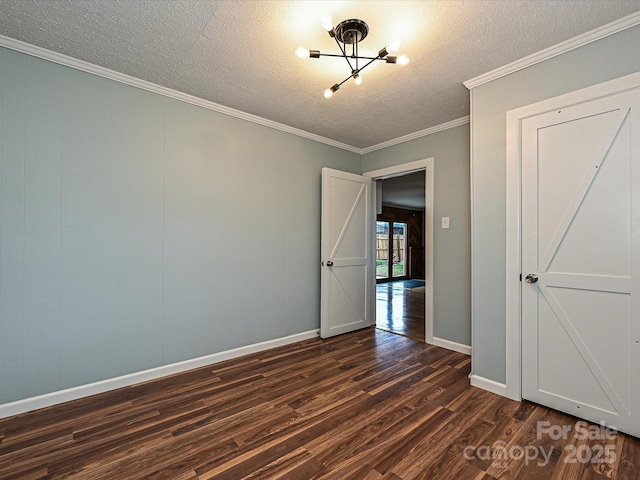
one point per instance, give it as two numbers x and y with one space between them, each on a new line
597 62
452 255
137 230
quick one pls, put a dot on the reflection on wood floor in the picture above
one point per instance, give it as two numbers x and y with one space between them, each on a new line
400 308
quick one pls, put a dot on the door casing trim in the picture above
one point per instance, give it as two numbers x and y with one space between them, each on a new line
513 306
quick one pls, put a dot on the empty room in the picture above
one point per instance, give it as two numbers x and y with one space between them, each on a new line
320 239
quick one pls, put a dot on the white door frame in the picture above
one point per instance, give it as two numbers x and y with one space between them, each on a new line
426 165
513 198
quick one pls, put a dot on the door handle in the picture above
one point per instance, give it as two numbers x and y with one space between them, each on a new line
531 278
329 263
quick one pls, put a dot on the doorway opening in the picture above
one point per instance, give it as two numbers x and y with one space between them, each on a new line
399 253
408 298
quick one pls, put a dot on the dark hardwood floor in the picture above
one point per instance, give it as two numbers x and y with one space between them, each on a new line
365 405
400 309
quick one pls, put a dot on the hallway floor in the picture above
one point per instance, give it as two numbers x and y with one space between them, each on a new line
400 308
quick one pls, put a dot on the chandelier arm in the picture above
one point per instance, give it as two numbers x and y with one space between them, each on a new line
344 53
355 47
349 56
345 80
366 65
356 71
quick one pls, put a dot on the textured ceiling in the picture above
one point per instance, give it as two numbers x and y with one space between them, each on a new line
240 54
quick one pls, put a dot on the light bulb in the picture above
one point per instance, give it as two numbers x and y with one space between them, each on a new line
326 22
393 46
302 52
357 79
403 60
328 93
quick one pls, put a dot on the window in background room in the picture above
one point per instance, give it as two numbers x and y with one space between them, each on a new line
390 250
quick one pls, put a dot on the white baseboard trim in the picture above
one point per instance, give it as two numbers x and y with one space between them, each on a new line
54 398
489 385
448 344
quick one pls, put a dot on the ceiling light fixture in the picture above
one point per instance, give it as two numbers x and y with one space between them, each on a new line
352 32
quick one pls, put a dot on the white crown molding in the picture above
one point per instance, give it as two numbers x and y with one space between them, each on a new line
65 60
419 134
601 32
87 67
82 391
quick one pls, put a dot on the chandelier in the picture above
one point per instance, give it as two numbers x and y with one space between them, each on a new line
352 32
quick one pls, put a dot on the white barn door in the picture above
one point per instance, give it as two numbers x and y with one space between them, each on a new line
346 253
580 260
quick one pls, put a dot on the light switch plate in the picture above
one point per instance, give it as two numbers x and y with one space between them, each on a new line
445 222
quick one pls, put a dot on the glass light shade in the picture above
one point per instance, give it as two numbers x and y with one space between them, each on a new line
302 52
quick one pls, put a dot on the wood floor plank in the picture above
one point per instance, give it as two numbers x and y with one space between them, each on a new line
362 433
403 448
269 449
367 405
628 459
434 449
448 459
282 466
469 399
354 471
312 469
509 464
33 473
